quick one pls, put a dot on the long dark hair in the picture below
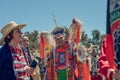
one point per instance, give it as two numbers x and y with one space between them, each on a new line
8 37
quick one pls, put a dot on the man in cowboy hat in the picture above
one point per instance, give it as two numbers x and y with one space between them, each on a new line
13 65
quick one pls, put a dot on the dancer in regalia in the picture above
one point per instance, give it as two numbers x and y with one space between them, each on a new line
45 50
62 57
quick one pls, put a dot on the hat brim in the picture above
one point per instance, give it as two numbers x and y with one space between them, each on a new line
19 26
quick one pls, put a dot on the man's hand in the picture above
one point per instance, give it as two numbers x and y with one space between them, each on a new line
28 70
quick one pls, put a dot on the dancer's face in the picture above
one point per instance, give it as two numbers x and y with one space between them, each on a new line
59 38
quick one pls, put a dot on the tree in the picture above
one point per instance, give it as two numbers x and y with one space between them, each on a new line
33 39
85 40
84 37
96 36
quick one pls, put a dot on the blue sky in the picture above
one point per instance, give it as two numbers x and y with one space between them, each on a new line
38 14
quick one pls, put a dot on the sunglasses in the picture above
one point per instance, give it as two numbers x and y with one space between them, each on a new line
58 35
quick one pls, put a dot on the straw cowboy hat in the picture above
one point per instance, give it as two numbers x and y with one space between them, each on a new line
8 28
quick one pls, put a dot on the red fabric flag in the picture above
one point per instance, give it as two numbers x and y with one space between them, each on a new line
109 51
113 29
83 70
42 47
106 60
86 71
103 63
78 36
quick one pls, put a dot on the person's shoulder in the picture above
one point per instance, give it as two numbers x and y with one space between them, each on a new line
3 47
22 47
0 46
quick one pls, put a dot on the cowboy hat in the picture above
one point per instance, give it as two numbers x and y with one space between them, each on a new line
8 28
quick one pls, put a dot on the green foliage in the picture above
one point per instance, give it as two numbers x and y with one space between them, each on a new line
34 44
84 37
97 38
96 35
